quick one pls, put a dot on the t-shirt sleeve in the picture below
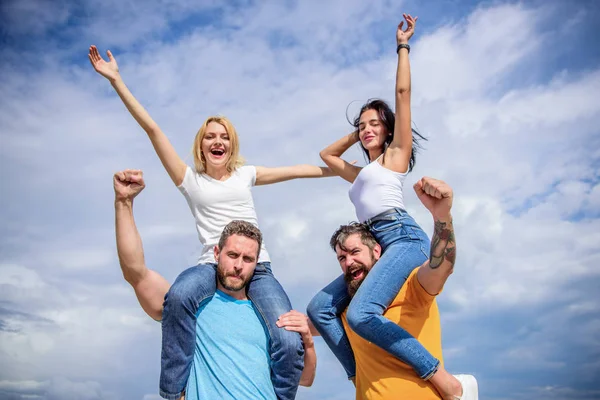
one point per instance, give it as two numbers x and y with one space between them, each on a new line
416 293
189 181
248 174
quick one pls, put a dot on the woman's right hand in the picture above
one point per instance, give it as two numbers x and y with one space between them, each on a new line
109 70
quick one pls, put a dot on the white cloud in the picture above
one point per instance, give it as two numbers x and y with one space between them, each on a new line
21 17
520 158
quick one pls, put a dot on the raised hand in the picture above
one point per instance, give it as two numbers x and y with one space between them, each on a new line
402 36
109 70
435 195
128 184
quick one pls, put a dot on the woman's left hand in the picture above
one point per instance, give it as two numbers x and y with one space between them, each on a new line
404 36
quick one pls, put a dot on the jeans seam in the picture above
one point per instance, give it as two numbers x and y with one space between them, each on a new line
203 299
262 315
421 241
265 321
396 223
433 371
169 396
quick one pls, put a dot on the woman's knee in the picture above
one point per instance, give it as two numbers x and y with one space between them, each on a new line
359 317
190 286
319 308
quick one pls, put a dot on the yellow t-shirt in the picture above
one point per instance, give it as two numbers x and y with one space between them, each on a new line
381 376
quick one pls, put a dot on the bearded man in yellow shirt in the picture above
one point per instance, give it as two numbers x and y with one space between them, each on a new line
379 375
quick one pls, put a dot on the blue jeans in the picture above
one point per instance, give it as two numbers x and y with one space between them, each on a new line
198 284
405 247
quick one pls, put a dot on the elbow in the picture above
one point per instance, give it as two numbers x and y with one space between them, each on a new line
402 92
132 273
324 154
153 129
326 157
307 381
132 278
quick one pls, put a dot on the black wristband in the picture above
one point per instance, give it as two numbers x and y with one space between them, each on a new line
403 46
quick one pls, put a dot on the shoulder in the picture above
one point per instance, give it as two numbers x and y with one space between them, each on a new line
416 292
189 178
247 172
246 169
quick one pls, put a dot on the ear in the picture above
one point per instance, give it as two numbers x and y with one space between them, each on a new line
377 252
216 251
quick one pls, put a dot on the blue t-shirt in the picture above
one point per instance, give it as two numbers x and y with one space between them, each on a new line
231 360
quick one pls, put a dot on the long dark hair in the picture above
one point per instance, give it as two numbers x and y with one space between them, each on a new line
388 119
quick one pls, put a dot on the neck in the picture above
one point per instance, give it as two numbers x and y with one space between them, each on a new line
217 173
373 154
236 294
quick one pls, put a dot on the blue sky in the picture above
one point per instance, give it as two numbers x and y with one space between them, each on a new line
506 92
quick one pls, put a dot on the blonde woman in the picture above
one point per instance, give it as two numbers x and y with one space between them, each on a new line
218 190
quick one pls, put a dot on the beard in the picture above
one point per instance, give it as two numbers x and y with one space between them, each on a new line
228 281
353 284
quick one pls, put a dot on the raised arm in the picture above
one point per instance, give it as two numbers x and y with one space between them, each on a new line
298 322
397 156
168 156
150 288
332 156
266 176
437 196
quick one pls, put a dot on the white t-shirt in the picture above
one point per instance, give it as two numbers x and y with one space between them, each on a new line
215 203
376 189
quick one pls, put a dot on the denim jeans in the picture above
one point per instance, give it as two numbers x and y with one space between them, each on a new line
405 247
198 284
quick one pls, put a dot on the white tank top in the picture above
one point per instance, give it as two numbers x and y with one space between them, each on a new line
376 189
215 203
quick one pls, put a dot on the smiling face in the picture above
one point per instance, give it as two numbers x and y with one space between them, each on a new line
371 131
216 148
356 260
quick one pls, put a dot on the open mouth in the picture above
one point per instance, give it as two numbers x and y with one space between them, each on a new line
217 152
358 273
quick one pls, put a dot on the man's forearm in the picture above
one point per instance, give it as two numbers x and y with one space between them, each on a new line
129 243
310 363
443 244
433 274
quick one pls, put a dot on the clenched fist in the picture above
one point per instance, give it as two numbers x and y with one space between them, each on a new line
128 184
435 195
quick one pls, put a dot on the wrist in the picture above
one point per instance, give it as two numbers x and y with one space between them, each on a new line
115 80
443 217
308 342
123 202
402 45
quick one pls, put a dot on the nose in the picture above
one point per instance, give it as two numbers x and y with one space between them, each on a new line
237 265
348 262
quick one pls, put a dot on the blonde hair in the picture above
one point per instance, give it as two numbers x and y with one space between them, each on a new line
235 160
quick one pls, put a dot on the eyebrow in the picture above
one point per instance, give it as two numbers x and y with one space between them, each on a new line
346 250
371 120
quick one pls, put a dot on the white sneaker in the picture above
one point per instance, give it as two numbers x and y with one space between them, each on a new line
469 387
